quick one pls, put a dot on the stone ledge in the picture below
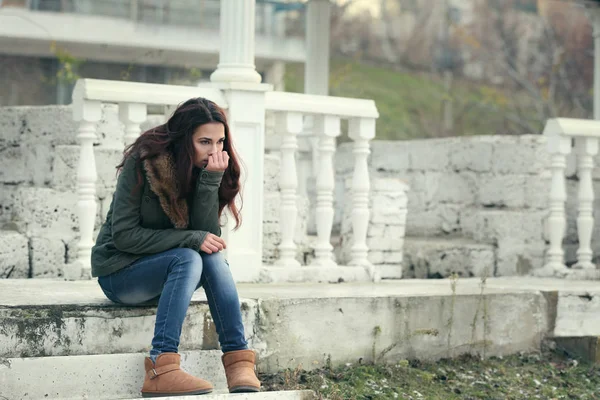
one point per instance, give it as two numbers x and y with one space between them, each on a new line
305 274
289 324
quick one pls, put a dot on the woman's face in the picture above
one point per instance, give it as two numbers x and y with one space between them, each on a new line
207 139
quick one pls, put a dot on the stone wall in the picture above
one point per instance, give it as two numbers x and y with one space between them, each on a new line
491 189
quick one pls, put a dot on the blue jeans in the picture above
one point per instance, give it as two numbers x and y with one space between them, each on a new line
172 277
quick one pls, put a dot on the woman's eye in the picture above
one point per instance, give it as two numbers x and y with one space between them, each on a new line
204 142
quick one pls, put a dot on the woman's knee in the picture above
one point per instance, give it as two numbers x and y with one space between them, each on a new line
189 261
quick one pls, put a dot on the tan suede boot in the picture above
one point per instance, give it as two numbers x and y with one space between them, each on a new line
239 369
165 378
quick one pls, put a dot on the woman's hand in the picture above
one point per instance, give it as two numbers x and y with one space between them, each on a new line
218 161
212 244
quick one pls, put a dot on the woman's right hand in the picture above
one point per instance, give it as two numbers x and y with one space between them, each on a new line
212 244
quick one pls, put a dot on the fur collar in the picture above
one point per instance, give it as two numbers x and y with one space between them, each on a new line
160 172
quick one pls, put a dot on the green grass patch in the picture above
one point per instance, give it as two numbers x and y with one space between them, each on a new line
410 103
532 376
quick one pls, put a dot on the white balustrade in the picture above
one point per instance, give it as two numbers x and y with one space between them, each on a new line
327 128
132 115
291 110
88 114
362 130
289 125
560 133
559 149
323 117
587 148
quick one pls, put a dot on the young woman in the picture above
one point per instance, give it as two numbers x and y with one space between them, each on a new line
161 240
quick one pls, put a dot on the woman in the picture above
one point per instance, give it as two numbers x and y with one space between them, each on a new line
161 239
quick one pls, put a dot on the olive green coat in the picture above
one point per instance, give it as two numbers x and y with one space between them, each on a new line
150 218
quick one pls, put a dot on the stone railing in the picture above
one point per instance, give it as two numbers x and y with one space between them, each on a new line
562 134
323 115
291 111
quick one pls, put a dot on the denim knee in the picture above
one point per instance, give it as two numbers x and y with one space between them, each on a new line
190 261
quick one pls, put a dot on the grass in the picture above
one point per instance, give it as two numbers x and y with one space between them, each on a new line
549 375
410 103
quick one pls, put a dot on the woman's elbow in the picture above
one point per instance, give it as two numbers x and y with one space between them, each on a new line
123 240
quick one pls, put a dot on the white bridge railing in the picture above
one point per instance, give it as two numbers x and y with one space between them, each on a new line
561 133
290 109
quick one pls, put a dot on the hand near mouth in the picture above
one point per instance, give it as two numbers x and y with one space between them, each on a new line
218 161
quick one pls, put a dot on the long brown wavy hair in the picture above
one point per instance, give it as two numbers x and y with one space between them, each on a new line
176 137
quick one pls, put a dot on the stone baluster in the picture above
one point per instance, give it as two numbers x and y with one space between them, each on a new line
327 128
559 147
587 148
289 125
132 115
362 130
88 114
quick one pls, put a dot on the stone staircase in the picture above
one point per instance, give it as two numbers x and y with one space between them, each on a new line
64 340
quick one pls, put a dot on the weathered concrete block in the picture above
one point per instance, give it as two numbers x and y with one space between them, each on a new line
424 187
43 212
502 190
52 125
537 191
48 257
456 188
440 258
437 220
120 376
490 226
519 258
525 154
66 162
271 174
429 155
471 154
12 166
14 255
574 313
511 322
377 257
8 198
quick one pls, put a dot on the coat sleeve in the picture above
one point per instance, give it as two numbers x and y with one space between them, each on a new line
204 211
128 234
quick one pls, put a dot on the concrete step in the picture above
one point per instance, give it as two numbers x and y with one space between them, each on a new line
435 257
111 376
293 325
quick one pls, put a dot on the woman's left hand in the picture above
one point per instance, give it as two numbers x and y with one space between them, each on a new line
218 161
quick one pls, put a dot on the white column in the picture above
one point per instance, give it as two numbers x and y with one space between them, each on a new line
362 130
559 147
236 55
587 148
289 125
246 113
316 70
328 128
88 114
132 115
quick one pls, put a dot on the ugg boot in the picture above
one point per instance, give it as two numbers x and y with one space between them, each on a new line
239 369
165 378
